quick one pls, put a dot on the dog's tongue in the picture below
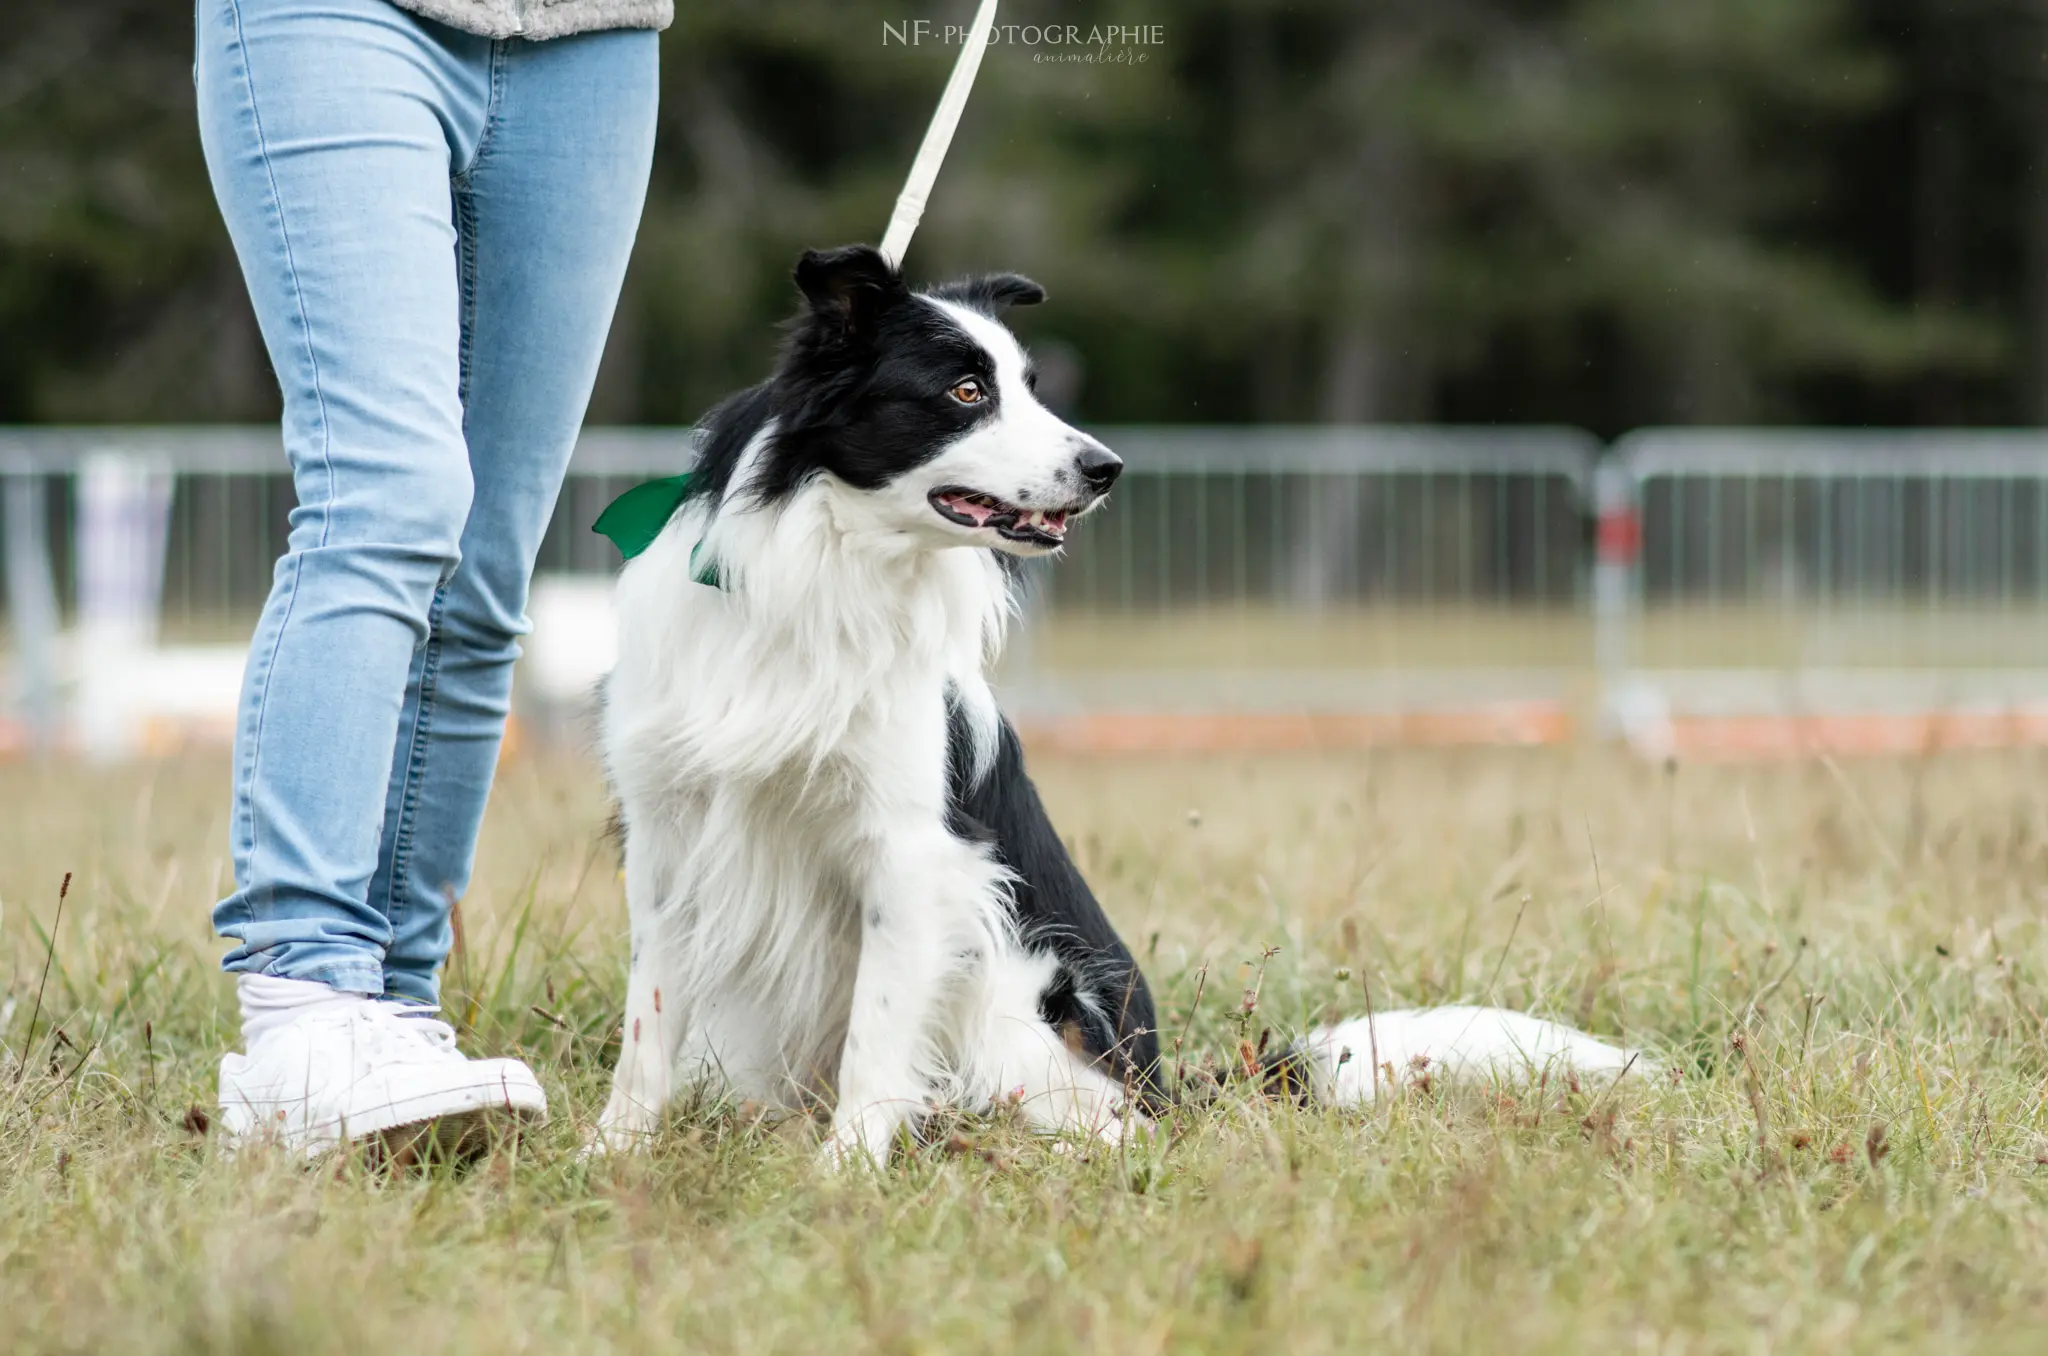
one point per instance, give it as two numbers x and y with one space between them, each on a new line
967 508
975 509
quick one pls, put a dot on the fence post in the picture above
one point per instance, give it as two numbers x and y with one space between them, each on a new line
124 507
32 604
1617 556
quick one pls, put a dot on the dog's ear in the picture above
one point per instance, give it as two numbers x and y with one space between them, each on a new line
1010 289
848 287
992 292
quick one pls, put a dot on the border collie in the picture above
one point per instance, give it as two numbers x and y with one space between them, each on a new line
842 885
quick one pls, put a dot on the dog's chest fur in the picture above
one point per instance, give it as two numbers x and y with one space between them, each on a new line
774 738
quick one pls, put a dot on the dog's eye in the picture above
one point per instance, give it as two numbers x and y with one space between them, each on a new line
968 392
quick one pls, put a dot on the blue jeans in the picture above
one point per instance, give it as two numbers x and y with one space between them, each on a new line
434 228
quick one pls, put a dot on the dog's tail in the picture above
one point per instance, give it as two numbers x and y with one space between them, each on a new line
1352 1063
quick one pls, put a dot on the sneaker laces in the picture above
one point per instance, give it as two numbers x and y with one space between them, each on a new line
404 1033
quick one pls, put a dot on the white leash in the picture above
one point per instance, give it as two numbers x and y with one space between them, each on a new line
924 170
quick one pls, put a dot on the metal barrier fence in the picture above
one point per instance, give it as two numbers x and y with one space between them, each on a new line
1276 570
1751 589
1314 517
1311 585
1764 588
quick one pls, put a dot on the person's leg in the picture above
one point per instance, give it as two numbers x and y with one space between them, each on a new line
331 128
547 215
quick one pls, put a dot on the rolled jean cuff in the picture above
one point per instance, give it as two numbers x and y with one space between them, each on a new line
343 968
413 987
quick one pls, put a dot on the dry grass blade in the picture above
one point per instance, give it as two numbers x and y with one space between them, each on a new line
28 1042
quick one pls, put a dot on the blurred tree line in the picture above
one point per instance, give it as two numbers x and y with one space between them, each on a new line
1600 212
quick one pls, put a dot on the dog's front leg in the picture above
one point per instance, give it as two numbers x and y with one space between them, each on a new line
644 1077
885 1066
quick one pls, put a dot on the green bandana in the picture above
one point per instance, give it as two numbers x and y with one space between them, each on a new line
636 518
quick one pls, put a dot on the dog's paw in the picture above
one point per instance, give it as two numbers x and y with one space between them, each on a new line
1126 1127
860 1142
617 1132
1112 1133
842 1153
602 1142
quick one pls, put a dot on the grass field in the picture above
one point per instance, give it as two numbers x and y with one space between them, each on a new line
1842 968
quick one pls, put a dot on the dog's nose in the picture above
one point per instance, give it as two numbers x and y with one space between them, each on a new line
1098 466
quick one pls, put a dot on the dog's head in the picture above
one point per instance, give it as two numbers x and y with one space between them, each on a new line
925 401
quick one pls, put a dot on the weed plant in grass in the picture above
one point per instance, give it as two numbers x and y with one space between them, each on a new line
1838 968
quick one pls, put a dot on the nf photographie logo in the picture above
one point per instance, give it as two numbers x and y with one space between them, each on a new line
1094 44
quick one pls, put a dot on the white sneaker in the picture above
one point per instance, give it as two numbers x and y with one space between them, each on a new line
360 1069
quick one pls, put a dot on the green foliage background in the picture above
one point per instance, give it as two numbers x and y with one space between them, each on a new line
1603 212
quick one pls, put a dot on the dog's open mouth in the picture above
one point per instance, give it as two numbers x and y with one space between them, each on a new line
972 508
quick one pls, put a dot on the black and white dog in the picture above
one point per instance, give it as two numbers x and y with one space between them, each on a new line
841 882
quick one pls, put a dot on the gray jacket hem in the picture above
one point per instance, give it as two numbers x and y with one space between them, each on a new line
539 19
